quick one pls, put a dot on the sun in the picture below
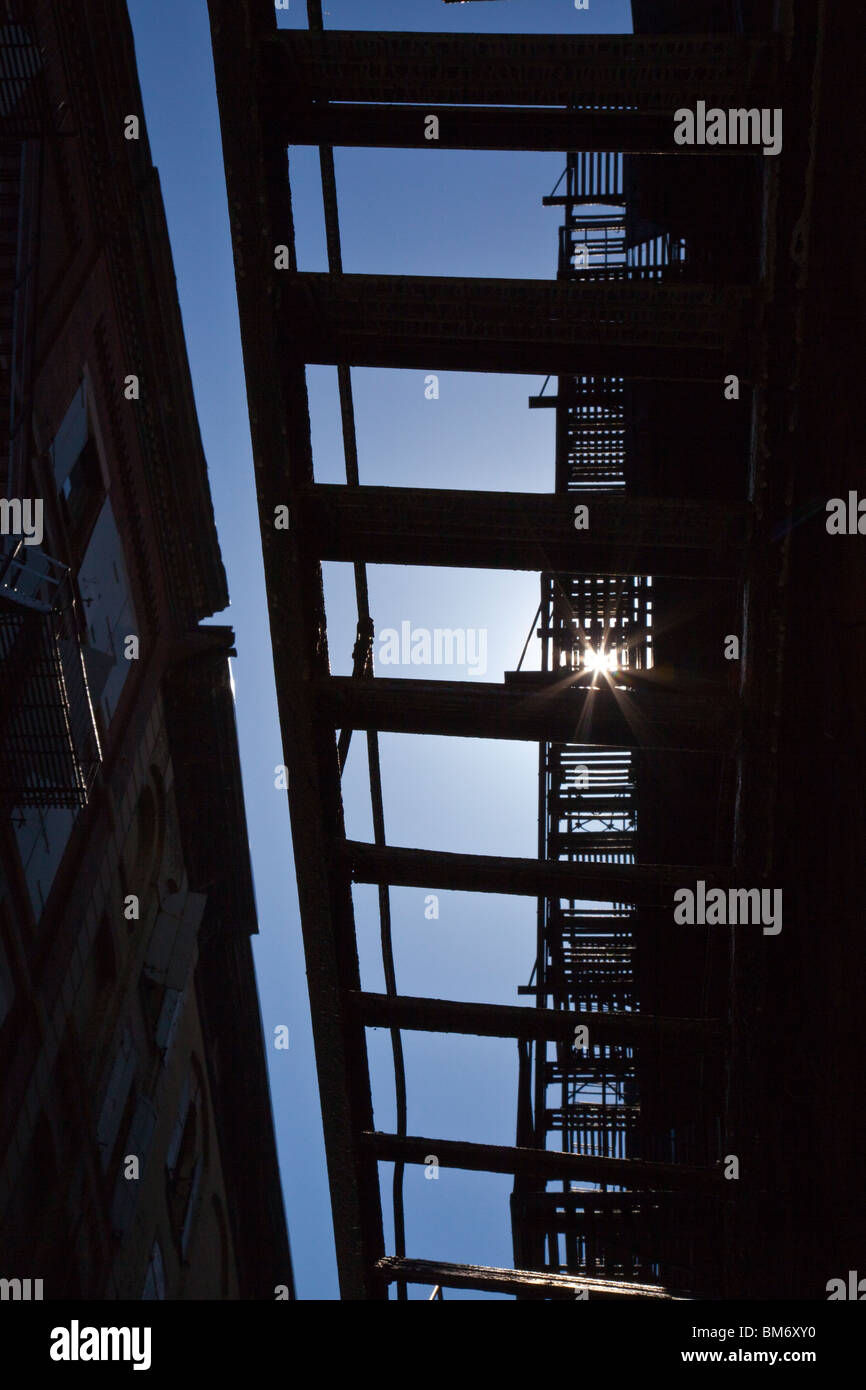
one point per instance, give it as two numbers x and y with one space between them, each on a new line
599 661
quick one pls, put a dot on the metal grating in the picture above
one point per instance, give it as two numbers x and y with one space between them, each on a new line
24 111
49 744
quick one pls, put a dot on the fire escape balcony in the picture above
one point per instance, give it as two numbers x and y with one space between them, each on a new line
49 743
24 109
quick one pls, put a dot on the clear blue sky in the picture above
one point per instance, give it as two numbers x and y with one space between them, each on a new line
414 212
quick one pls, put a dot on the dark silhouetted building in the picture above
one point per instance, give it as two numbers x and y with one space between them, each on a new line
137 1151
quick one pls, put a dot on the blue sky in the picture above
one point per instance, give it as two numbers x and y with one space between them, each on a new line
414 212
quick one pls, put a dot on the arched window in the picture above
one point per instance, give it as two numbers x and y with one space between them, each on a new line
186 1157
154 1283
144 845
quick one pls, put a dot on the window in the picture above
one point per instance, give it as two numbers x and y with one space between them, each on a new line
168 965
185 1157
77 471
142 852
138 1135
154 1283
117 1096
82 491
107 609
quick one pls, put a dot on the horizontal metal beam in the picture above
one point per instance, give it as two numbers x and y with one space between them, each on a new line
515 1021
560 842
649 72
488 128
561 712
525 530
628 327
644 884
490 1279
543 1164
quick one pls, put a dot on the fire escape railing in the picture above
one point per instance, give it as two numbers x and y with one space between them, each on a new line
585 1096
49 740
49 743
23 107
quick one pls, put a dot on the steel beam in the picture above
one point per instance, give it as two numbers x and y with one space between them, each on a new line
531 531
559 712
514 1021
544 1164
642 884
490 1279
611 326
646 72
487 128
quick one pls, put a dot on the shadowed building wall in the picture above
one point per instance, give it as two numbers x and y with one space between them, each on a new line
137 1153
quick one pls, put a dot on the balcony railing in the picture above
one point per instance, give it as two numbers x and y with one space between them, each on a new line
24 112
49 743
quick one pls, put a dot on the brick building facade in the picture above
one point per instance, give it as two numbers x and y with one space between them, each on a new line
137 1153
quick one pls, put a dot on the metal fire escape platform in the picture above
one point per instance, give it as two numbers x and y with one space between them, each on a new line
49 743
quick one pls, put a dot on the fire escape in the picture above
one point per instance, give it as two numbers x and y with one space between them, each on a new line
633 315
49 744
583 1097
